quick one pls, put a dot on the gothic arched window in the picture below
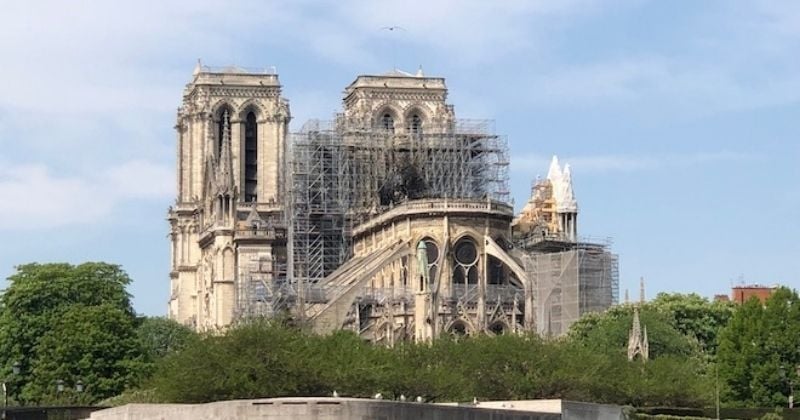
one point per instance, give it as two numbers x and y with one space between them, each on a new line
250 158
387 122
415 126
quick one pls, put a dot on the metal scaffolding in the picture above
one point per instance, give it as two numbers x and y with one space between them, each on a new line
341 177
262 289
571 279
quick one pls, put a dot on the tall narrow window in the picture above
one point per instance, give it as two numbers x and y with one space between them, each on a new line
250 158
415 127
387 122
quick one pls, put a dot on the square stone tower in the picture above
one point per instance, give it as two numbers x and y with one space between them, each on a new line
398 102
231 127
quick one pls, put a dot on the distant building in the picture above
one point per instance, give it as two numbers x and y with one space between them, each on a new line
741 294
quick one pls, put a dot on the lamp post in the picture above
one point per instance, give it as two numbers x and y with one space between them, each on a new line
78 391
15 368
59 391
70 396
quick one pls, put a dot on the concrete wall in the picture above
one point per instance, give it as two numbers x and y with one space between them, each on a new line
569 410
539 406
313 409
585 411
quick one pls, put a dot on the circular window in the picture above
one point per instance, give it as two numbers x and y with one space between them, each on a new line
466 252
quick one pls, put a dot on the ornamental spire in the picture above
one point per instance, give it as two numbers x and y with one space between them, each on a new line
637 339
225 166
210 160
567 202
554 173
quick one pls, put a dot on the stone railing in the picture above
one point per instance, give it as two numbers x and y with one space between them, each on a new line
238 70
439 205
532 239
260 233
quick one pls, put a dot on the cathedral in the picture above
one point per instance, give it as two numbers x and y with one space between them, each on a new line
393 219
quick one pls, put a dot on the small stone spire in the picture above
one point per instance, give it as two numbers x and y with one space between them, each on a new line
554 173
422 263
637 339
254 219
211 161
627 298
210 136
568 203
225 166
646 342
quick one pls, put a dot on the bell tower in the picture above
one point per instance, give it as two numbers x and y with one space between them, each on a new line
231 129
398 102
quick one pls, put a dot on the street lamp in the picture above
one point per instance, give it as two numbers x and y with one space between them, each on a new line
71 395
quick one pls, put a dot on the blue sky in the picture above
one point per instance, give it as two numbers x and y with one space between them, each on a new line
681 119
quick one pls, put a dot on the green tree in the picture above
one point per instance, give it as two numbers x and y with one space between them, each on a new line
759 354
257 359
690 314
68 323
95 345
608 332
160 336
694 316
263 359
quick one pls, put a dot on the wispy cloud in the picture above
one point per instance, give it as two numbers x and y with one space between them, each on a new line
538 164
36 198
662 84
471 31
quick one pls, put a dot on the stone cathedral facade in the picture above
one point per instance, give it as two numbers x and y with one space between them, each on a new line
393 220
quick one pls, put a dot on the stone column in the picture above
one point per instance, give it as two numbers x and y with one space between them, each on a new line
422 300
181 161
482 275
280 159
236 155
198 130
